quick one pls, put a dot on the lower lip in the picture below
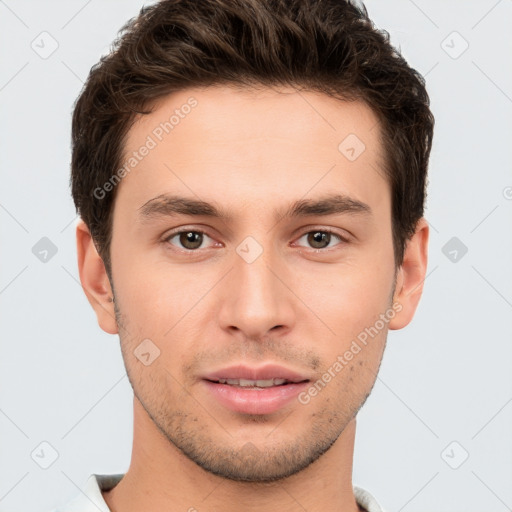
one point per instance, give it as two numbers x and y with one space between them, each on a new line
255 400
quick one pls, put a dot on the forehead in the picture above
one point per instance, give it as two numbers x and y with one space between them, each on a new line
227 113
258 140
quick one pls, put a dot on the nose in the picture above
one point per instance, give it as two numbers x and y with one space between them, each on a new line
256 298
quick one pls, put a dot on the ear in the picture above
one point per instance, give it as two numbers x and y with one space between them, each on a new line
410 276
94 279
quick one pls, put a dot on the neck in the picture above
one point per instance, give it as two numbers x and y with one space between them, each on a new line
161 478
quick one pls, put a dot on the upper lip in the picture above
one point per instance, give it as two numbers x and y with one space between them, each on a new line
266 372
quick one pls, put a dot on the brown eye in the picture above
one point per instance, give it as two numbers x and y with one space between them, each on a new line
189 240
321 239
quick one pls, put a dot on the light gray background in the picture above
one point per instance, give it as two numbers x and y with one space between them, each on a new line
445 386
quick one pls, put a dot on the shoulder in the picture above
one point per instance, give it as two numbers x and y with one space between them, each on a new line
366 500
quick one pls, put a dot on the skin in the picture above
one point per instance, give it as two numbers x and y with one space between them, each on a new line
300 305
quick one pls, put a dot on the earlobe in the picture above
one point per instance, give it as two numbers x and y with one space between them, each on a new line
94 279
410 276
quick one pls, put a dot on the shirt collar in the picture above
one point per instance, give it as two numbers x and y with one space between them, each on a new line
91 499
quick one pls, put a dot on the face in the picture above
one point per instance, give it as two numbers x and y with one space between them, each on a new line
283 274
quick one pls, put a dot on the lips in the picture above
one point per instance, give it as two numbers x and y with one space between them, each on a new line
255 390
248 383
263 373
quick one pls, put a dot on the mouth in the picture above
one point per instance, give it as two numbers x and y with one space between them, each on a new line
258 397
259 391
257 384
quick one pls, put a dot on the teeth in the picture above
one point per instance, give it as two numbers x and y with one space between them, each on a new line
246 383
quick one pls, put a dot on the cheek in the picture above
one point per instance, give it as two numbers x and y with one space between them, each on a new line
350 302
351 296
152 293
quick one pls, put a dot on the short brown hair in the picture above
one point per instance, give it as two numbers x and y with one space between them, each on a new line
328 46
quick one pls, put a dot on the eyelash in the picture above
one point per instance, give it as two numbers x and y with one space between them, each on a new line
171 235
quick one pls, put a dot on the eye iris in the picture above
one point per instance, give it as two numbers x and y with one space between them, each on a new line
191 239
319 237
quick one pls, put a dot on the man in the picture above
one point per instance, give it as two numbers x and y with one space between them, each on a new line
250 176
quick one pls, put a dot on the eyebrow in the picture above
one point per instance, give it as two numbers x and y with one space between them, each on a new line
166 205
